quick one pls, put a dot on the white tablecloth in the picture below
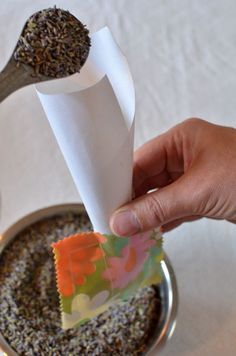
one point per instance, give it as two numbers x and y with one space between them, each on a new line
182 56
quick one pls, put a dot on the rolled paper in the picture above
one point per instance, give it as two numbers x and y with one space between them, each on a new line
92 116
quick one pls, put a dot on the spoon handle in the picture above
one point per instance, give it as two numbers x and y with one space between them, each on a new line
13 78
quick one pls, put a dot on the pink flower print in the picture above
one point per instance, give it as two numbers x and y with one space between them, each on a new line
124 269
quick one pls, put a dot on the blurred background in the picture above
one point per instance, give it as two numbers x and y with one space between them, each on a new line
182 58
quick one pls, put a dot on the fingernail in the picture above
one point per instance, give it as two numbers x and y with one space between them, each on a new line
125 223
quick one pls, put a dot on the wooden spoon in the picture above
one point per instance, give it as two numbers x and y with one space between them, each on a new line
13 78
50 37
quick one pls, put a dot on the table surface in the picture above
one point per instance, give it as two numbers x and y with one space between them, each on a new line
182 57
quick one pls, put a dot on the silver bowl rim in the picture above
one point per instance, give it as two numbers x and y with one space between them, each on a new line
169 284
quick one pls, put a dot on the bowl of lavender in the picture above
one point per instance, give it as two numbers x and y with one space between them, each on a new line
30 322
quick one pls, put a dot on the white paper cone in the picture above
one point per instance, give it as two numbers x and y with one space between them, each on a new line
92 117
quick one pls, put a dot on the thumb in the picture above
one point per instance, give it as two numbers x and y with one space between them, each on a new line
155 209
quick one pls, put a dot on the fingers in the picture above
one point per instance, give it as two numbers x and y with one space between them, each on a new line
149 161
175 201
173 162
173 224
158 181
193 167
158 161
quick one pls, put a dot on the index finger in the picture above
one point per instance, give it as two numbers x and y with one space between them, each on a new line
158 158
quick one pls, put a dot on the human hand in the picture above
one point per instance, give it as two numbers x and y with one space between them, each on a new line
193 165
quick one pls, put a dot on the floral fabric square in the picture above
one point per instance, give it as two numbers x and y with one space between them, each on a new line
94 271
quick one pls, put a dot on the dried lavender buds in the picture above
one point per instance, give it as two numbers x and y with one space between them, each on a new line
29 309
54 42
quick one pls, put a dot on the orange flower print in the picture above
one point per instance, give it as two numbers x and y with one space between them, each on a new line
75 257
124 269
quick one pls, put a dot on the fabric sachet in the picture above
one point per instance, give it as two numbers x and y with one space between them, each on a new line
94 271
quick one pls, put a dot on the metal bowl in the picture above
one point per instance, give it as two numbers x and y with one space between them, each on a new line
168 287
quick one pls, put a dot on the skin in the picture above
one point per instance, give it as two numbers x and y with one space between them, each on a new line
192 169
